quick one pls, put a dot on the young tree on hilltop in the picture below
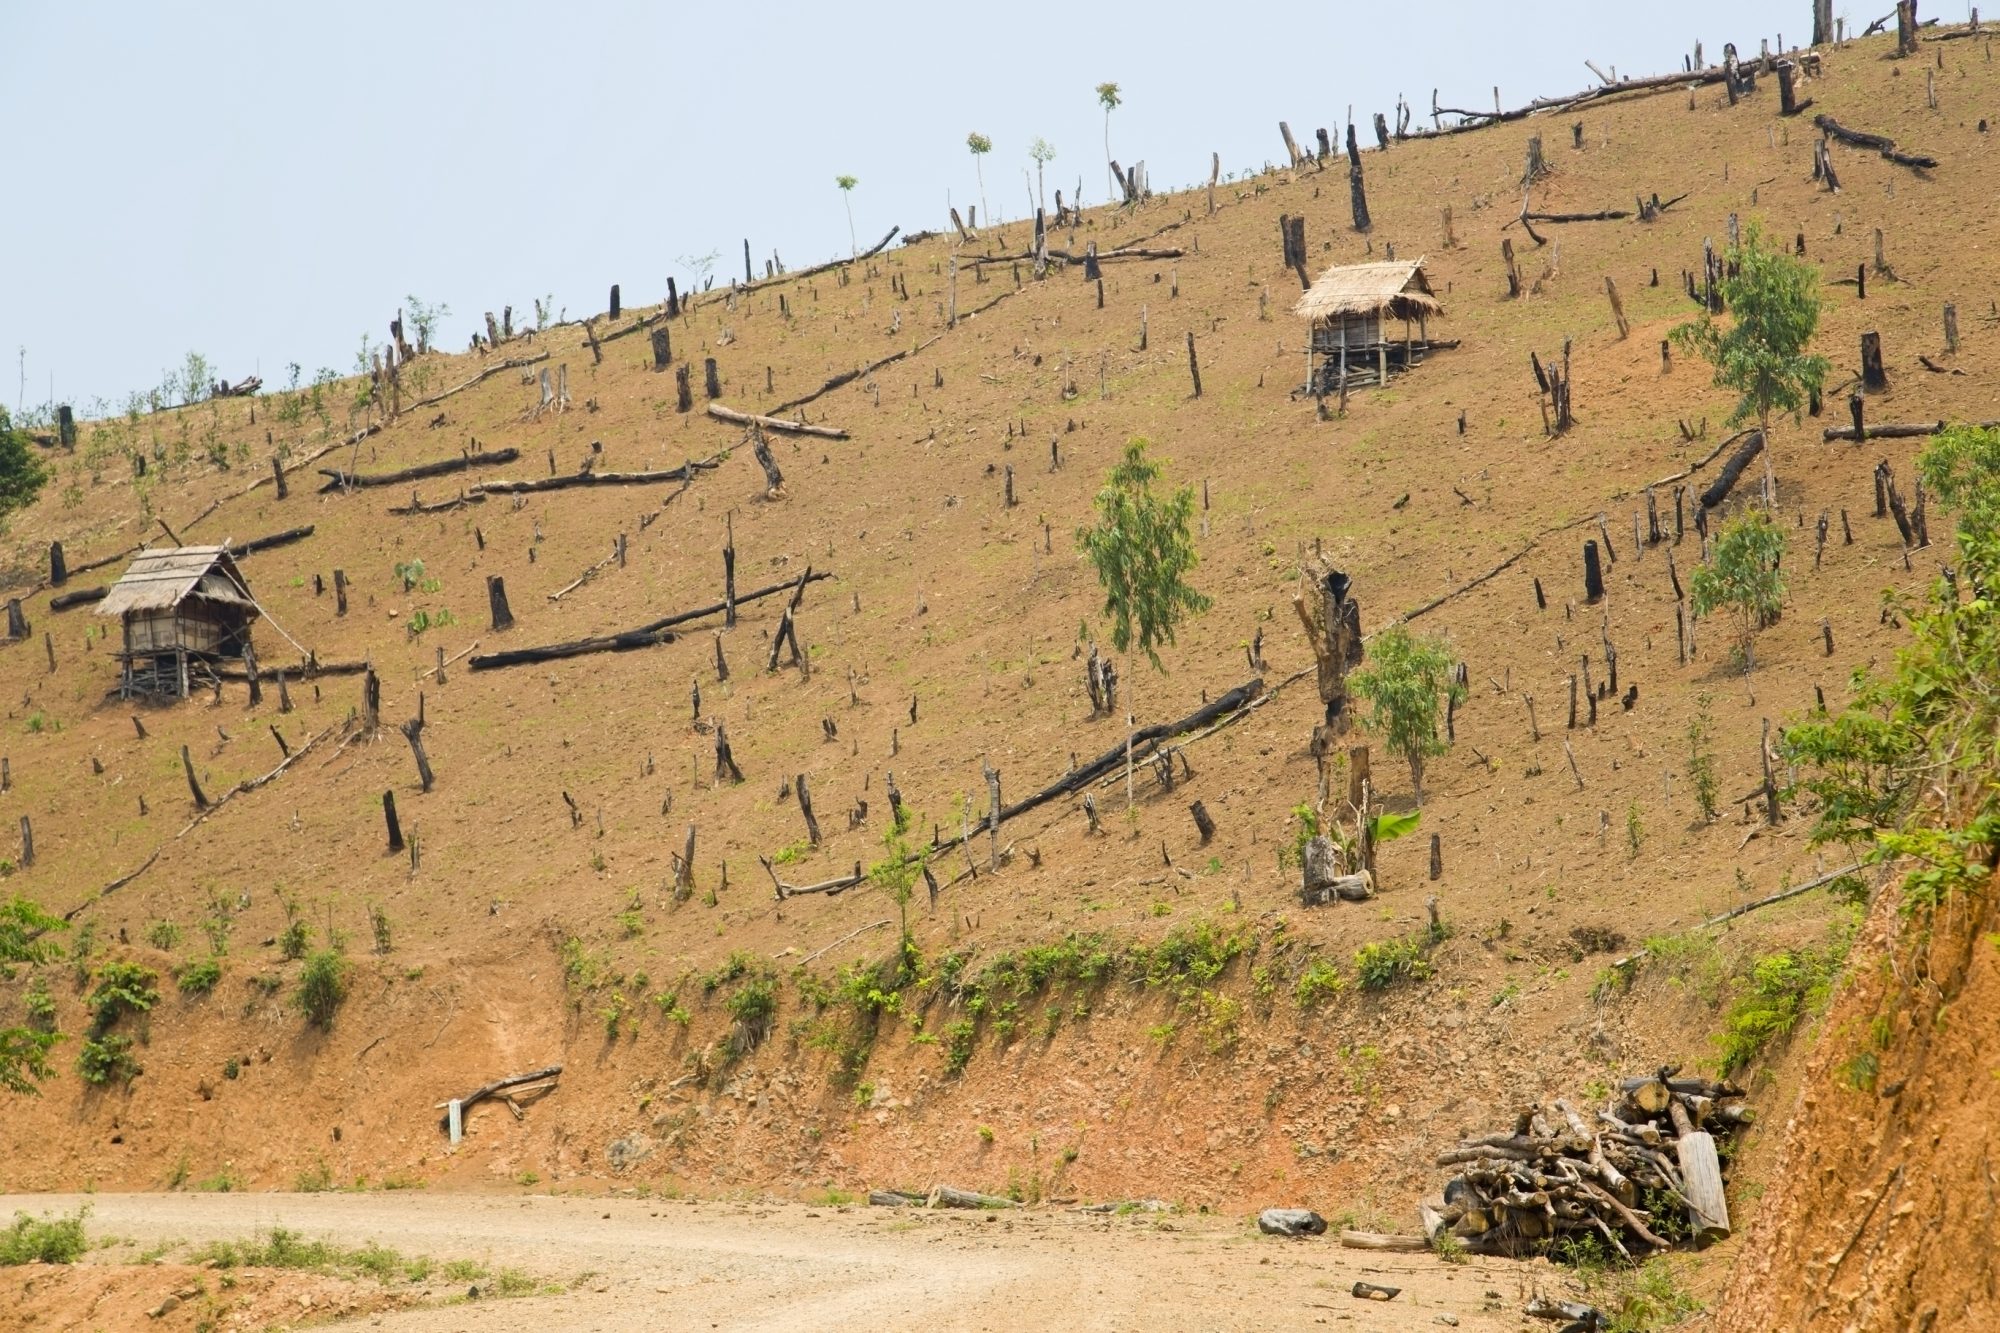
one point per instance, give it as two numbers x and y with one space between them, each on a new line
1108 98
1044 153
1746 577
847 184
1142 549
980 146
1773 301
1407 679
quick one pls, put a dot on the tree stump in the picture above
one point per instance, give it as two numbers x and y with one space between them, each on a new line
1357 775
340 592
1593 573
194 787
394 825
17 621
27 843
1874 378
711 380
806 808
1357 193
614 301
1203 821
413 731
683 391
663 347
1194 367
496 602
58 569
1437 856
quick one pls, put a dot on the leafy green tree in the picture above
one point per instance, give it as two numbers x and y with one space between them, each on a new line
1962 468
1044 153
24 1050
197 379
1773 302
847 184
979 145
22 471
424 318
1746 577
1408 680
1108 98
1143 550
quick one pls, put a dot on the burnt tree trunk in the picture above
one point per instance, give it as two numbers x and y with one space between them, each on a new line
496 602
806 808
614 301
413 731
711 379
1873 377
1203 821
194 787
683 391
58 568
395 825
663 347
1593 573
1357 192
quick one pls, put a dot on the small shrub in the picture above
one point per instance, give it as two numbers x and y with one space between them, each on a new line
315 1179
104 1059
379 928
1383 963
120 989
164 936
754 1008
1320 983
1783 988
323 987
198 978
43 1240
294 939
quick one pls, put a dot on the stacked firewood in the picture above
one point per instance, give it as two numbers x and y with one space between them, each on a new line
1644 1162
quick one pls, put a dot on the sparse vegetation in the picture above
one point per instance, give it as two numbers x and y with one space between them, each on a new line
1747 577
43 1240
323 986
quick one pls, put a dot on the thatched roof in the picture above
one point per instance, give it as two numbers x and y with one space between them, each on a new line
160 580
1396 286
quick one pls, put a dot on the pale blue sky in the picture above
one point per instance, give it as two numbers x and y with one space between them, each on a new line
264 182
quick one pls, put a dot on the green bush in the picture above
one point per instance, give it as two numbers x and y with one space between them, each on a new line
1321 983
198 978
1383 963
755 1008
44 1240
120 989
1783 988
323 986
106 1058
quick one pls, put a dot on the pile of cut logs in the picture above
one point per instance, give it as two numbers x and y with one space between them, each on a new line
1649 1156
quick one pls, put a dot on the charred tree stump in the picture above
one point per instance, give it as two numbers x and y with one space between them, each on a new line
27 843
394 825
1194 367
58 569
1437 856
663 347
250 673
340 592
806 808
711 378
1203 821
1332 622
1357 192
1593 573
725 760
496 602
729 572
17 620
194 787
774 480
1874 378
278 477
683 391
614 301
673 300
413 731
1718 490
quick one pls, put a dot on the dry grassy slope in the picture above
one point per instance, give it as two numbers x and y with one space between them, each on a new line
912 503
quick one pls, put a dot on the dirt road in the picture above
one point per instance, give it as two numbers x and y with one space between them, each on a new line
629 1263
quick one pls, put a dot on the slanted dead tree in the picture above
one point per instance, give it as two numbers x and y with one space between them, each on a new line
413 731
1554 384
1357 192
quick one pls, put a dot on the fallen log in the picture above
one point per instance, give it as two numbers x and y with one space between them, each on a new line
339 479
1102 256
849 376
896 1198
828 887
1898 430
285 538
1475 120
63 601
306 670
646 636
944 1196
532 485
1145 742
1718 490
1603 215
512 363
460 501
1881 143
789 427
498 1085
1378 1240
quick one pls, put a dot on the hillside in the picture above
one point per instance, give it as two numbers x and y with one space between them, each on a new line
950 634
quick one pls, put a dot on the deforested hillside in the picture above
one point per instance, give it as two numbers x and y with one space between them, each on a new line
880 603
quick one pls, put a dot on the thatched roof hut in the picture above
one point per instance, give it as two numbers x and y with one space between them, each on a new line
1349 307
180 607
1397 287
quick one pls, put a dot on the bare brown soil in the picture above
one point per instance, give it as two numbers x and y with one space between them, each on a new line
621 1263
973 611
